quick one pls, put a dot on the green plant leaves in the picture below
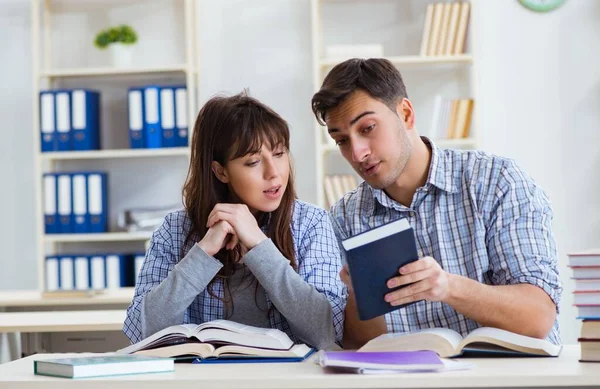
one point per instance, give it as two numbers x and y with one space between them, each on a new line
121 34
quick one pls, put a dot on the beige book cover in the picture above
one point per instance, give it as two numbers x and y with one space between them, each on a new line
467 126
461 32
435 28
452 26
439 50
451 127
461 117
426 30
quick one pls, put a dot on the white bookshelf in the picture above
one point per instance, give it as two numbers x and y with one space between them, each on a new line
101 237
50 70
114 154
408 61
109 72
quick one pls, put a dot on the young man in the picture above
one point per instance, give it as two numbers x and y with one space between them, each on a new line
482 225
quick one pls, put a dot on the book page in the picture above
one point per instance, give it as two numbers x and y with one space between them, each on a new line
511 341
225 331
297 351
444 341
169 333
202 350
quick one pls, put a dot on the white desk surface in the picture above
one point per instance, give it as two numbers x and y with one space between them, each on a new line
35 298
62 321
564 371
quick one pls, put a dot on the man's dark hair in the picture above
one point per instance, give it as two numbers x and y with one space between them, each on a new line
376 76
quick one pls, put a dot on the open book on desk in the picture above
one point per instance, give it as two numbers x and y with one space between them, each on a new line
449 343
220 339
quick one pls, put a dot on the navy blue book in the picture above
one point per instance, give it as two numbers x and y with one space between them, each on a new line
85 110
373 258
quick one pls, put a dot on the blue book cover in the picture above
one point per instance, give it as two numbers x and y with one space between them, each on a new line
135 98
167 116
51 223
97 202
181 116
85 112
102 366
374 257
152 118
47 121
63 119
66 271
65 203
119 271
80 203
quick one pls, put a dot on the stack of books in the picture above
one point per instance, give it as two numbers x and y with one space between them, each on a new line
452 118
445 29
586 273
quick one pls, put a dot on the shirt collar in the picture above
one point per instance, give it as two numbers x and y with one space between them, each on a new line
441 175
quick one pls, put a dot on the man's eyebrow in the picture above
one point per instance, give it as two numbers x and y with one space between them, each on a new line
353 121
360 116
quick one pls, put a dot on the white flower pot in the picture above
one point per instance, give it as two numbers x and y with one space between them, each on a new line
121 55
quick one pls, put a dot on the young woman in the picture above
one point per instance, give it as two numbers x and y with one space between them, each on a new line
244 248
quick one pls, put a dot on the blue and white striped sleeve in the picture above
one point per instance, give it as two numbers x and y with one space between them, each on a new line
321 265
521 245
158 263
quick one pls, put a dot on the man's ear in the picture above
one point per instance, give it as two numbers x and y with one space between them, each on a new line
220 172
406 113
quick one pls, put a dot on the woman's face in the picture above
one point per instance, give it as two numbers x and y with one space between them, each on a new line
258 180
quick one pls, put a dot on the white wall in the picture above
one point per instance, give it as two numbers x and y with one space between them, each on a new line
17 227
540 95
537 93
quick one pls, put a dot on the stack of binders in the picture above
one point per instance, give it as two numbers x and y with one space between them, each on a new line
75 203
70 120
92 272
158 117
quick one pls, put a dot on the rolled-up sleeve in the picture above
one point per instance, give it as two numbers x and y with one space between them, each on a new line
521 245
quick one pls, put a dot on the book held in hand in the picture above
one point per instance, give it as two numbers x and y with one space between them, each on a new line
220 339
99 366
449 343
373 258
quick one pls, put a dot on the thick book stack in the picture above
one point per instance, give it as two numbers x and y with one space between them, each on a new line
445 29
92 272
158 117
337 185
586 273
452 118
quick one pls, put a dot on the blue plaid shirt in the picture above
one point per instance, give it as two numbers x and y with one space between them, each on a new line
479 216
317 255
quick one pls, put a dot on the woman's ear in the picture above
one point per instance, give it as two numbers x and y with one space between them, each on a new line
220 172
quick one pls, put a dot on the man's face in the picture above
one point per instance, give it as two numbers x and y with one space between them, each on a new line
371 137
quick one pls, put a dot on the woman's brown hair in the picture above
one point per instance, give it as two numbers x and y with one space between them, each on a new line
228 128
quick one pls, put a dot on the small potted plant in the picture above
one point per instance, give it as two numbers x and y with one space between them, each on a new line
119 41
